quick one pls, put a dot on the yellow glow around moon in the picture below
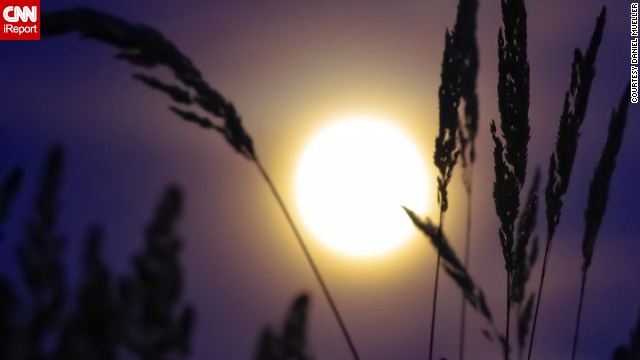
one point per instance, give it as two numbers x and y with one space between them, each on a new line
351 182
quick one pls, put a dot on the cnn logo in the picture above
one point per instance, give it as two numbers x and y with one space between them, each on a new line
20 20
17 13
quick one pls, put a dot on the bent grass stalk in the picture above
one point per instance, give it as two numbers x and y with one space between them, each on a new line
146 47
307 254
459 274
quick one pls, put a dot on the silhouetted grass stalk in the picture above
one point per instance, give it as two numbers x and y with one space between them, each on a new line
583 282
145 47
599 196
291 341
435 287
467 251
508 277
307 254
446 146
561 161
9 189
524 259
510 154
458 273
465 33
458 81
545 260
518 312
631 350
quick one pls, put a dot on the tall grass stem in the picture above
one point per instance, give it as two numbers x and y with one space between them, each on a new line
577 330
467 246
507 349
435 287
307 254
545 261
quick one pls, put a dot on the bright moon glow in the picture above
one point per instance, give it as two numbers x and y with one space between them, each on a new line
351 182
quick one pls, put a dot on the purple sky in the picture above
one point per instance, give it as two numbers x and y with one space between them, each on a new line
288 66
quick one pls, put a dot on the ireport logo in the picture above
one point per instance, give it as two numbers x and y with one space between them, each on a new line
20 20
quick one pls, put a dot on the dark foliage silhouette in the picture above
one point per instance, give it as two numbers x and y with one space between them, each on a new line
453 266
632 350
465 33
458 76
457 271
447 152
139 314
39 259
599 195
291 343
561 162
510 155
471 292
145 47
8 192
525 256
525 227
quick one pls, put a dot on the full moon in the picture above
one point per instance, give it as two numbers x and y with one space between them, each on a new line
352 181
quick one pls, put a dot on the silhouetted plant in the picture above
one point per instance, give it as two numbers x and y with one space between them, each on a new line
291 343
9 305
510 156
94 328
144 318
39 259
447 152
8 192
632 350
524 315
457 271
455 60
465 33
524 261
9 336
561 162
144 46
156 326
599 195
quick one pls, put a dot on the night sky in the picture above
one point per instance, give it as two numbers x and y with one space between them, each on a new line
290 67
